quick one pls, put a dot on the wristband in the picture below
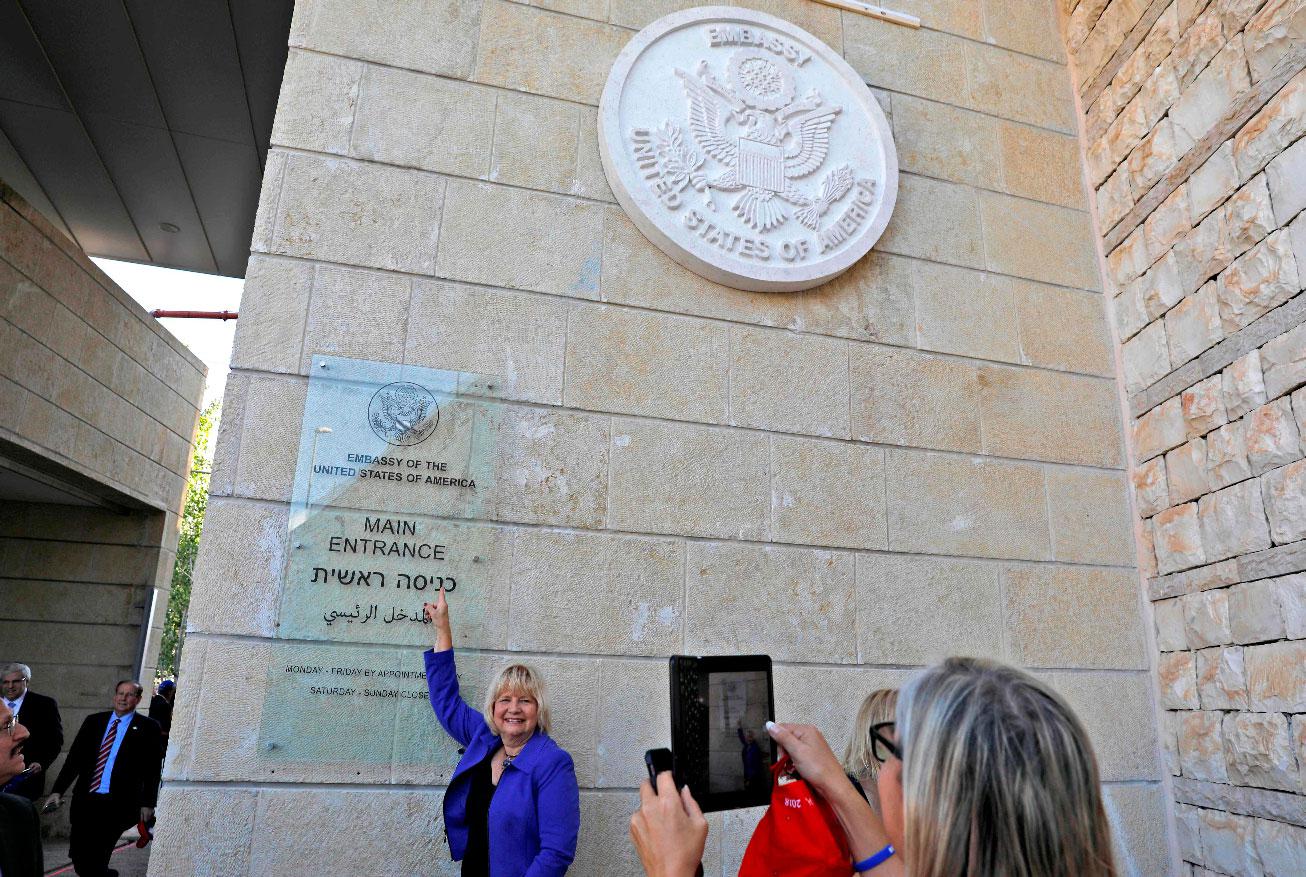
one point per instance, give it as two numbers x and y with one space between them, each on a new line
878 859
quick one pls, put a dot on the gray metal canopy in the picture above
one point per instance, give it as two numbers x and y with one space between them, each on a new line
141 126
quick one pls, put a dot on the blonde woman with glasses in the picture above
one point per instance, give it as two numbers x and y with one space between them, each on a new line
986 772
859 760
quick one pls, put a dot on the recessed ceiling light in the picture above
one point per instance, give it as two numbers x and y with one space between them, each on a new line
169 227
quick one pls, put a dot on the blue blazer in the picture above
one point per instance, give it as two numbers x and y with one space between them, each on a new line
535 812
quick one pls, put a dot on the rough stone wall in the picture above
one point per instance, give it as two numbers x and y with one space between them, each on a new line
921 458
1193 118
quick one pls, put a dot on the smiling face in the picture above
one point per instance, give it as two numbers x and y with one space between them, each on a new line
13 685
516 715
11 747
125 697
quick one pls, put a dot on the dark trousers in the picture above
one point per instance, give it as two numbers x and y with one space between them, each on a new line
97 823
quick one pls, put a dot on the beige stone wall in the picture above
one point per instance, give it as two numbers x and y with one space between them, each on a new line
923 457
1193 118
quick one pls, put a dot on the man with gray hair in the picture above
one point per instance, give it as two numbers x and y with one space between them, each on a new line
40 716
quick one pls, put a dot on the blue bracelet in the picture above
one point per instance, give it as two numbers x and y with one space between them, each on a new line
878 859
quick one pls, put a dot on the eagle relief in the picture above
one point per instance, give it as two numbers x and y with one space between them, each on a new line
746 149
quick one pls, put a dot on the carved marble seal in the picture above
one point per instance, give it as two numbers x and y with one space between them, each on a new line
746 149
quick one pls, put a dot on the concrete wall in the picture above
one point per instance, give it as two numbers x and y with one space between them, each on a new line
1193 115
925 454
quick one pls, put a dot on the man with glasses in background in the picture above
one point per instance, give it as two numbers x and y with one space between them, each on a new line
39 714
20 828
115 759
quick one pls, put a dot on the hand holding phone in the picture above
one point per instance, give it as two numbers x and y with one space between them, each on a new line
658 761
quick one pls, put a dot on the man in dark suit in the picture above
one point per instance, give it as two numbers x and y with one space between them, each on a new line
20 828
115 758
40 716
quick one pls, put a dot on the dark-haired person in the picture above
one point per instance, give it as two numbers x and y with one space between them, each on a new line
115 761
513 805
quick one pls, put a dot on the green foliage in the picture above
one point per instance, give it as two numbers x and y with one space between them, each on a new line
192 522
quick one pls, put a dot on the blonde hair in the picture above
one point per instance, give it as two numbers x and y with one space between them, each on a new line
518 679
998 777
878 707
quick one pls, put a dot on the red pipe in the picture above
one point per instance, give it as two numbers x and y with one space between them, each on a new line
198 315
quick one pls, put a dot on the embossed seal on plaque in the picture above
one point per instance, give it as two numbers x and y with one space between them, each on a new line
403 414
746 149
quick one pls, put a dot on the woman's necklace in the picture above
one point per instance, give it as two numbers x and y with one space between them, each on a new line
509 756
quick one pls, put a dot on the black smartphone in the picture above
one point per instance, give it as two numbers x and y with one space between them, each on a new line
657 761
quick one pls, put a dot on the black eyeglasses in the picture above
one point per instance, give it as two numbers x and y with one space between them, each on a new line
881 746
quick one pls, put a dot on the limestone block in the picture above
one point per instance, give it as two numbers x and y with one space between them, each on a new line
1171 635
1178 539
827 493
424 121
1139 827
269 438
238 572
901 397
1146 540
318 96
962 599
823 23
435 37
1041 165
1186 471
1169 726
1281 847
1122 135
569 57
1156 154
1297 231
632 715
1229 843
946 142
1258 751
1042 315
1027 28
872 301
288 843
1299 413
669 478
1272 33
1285 501
1221 681
1159 430
591 181
609 595
1208 98
563 237
1206 618
1038 241
1128 260
1019 87
1292 603
206 829
829 697
795 604
225 448
1089 514
1193 326
1226 455
1187 830
1244 385
1167 224
549 466
786 382
1151 491
1081 21
519 339
1112 27
1201 749
976 323
1287 179
1258 282
937 221
1254 612
1273 129
535 142
1130 309
274 306
1034 414
1146 358
1073 617
924 63
603 846
339 296
1233 521
1212 183
972 507
1115 198
625 360
1225 234
1283 362
335 210
1272 436
1120 717
1276 676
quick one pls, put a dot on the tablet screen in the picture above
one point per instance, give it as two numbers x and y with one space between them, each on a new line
738 745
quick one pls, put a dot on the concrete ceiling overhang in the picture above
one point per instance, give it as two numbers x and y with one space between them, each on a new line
140 127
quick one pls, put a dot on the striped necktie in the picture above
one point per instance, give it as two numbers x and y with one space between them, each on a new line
105 748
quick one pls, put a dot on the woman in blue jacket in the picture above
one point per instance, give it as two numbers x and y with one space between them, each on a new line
513 807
